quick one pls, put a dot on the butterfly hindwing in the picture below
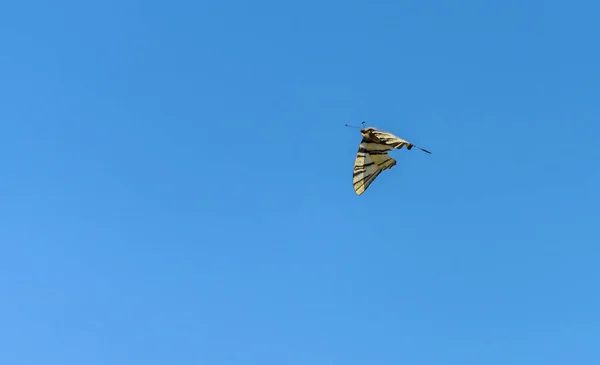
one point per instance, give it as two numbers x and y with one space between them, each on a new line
390 140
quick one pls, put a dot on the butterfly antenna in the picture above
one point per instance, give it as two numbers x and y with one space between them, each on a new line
352 126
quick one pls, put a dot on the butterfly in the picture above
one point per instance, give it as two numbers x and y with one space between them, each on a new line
372 156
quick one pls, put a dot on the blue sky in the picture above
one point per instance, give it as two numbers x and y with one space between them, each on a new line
176 183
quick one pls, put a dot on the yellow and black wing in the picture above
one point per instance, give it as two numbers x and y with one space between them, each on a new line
371 159
391 141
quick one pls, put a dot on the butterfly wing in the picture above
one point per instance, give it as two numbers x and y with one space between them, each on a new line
371 159
390 140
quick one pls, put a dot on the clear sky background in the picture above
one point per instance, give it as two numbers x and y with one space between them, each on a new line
176 185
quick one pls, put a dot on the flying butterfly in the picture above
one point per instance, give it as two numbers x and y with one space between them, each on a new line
372 156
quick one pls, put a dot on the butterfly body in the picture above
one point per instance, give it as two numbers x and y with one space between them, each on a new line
372 156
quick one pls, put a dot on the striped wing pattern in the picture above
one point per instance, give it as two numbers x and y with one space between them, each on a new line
372 157
368 165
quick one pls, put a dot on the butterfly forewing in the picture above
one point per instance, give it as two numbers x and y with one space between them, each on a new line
365 170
